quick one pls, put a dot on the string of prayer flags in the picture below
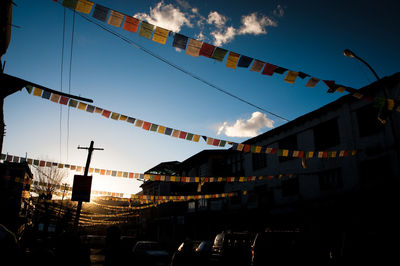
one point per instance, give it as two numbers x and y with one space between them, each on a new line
100 12
146 29
244 61
131 24
37 92
331 85
219 54
70 3
84 6
291 76
115 19
160 35
280 70
269 69
82 106
193 47
232 60
55 98
303 75
257 65
105 113
180 41
206 49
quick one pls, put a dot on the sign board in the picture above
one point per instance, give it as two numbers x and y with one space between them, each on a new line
81 188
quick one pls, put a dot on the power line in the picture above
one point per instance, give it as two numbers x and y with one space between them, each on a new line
180 68
70 77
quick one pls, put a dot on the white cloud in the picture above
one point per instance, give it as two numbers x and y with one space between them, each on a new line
279 12
166 16
254 24
246 128
183 4
222 37
217 19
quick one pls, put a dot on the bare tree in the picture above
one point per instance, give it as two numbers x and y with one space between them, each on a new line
49 179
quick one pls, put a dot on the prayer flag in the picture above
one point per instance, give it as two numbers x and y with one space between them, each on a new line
55 97
161 129
100 12
244 61
206 49
196 138
269 69
131 24
182 135
312 82
280 70
219 54
139 123
222 143
46 95
146 125
37 92
180 41
115 19
285 153
70 3
257 65
175 133
106 113
246 148
168 131
73 103
303 75
216 142
340 89
209 141
84 6
98 110
160 35
146 29
258 149
232 60
123 117
153 127
64 100
295 154
130 120
189 136
29 88
90 108
291 77
331 85
390 104
193 47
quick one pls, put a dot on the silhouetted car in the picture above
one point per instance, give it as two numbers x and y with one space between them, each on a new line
203 252
185 253
232 248
149 253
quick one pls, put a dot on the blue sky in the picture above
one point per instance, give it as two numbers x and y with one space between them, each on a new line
307 36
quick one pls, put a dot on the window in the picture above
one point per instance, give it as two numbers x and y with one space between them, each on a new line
259 160
368 123
330 180
290 187
236 164
289 143
326 135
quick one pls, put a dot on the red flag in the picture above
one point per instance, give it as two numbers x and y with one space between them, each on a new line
206 49
269 69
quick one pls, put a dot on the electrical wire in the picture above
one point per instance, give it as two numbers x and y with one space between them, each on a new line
70 76
61 79
180 68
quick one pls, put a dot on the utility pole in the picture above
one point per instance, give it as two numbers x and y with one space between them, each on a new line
79 207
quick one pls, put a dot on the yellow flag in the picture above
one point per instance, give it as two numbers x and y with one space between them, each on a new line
390 104
55 97
123 117
37 92
340 89
258 149
291 76
115 19
160 35
161 129
84 6
82 106
193 47
232 60
285 153
196 138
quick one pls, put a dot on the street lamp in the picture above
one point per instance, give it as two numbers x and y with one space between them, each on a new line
351 54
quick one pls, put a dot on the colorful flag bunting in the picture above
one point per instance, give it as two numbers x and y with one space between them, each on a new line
37 92
206 49
29 88
153 127
90 108
146 29
257 65
115 19
196 138
303 75
168 131
193 47
182 135
331 85
139 123
189 136
55 97
70 3
244 61
64 100
180 41
98 110
232 60
341 89
73 103
84 6
105 113
219 54
146 125
131 24
175 133
222 143
130 120
160 35
216 142
291 77
100 12
280 70
161 129
269 69
123 117
312 82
